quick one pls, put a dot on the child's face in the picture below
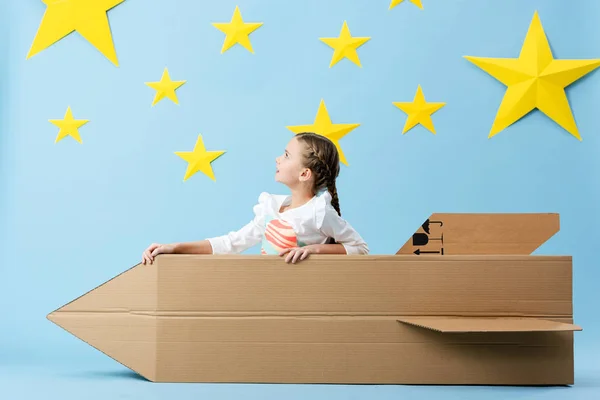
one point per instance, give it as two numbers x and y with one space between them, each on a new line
289 168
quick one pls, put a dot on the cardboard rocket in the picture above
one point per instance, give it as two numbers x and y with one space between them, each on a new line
482 311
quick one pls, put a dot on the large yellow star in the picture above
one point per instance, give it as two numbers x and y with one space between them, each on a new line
68 126
323 126
165 87
345 46
419 111
88 17
199 160
237 31
535 80
417 3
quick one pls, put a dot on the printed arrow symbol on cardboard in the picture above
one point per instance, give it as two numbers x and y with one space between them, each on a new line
419 251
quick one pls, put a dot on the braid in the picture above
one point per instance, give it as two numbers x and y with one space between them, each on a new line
322 166
322 157
335 201
326 179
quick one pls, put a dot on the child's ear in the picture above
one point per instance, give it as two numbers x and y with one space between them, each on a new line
306 174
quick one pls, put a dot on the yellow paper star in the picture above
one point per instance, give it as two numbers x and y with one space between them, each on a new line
199 160
165 87
535 80
345 46
68 126
237 31
324 127
87 17
419 111
417 3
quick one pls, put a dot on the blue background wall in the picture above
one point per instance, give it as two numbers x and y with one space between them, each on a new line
74 216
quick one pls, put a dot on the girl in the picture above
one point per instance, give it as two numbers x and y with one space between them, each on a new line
297 225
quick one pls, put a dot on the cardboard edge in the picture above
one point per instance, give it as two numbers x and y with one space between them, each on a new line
371 257
418 322
550 234
91 290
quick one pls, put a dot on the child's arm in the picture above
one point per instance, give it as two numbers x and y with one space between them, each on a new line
328 248
231 243
235 242
347 238
199 247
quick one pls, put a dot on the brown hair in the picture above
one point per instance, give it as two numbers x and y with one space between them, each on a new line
322 158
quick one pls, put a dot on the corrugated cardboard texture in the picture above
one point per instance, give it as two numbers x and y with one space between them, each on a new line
453 234
333 319
106 319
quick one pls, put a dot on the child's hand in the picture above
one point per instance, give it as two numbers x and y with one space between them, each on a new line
297 253
155 249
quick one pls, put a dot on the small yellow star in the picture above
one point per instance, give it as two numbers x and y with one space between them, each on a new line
68 126
417 3
199 160
535 80
87 17
345 46
165 87
237 31
323 126
419 111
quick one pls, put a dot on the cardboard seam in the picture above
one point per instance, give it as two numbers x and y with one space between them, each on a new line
259 315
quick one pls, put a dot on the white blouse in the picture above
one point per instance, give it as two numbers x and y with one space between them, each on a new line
312 223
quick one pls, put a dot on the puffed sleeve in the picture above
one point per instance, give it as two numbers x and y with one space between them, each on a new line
249 235
334 226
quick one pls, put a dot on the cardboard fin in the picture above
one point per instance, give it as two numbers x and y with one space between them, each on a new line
472 234
486 324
